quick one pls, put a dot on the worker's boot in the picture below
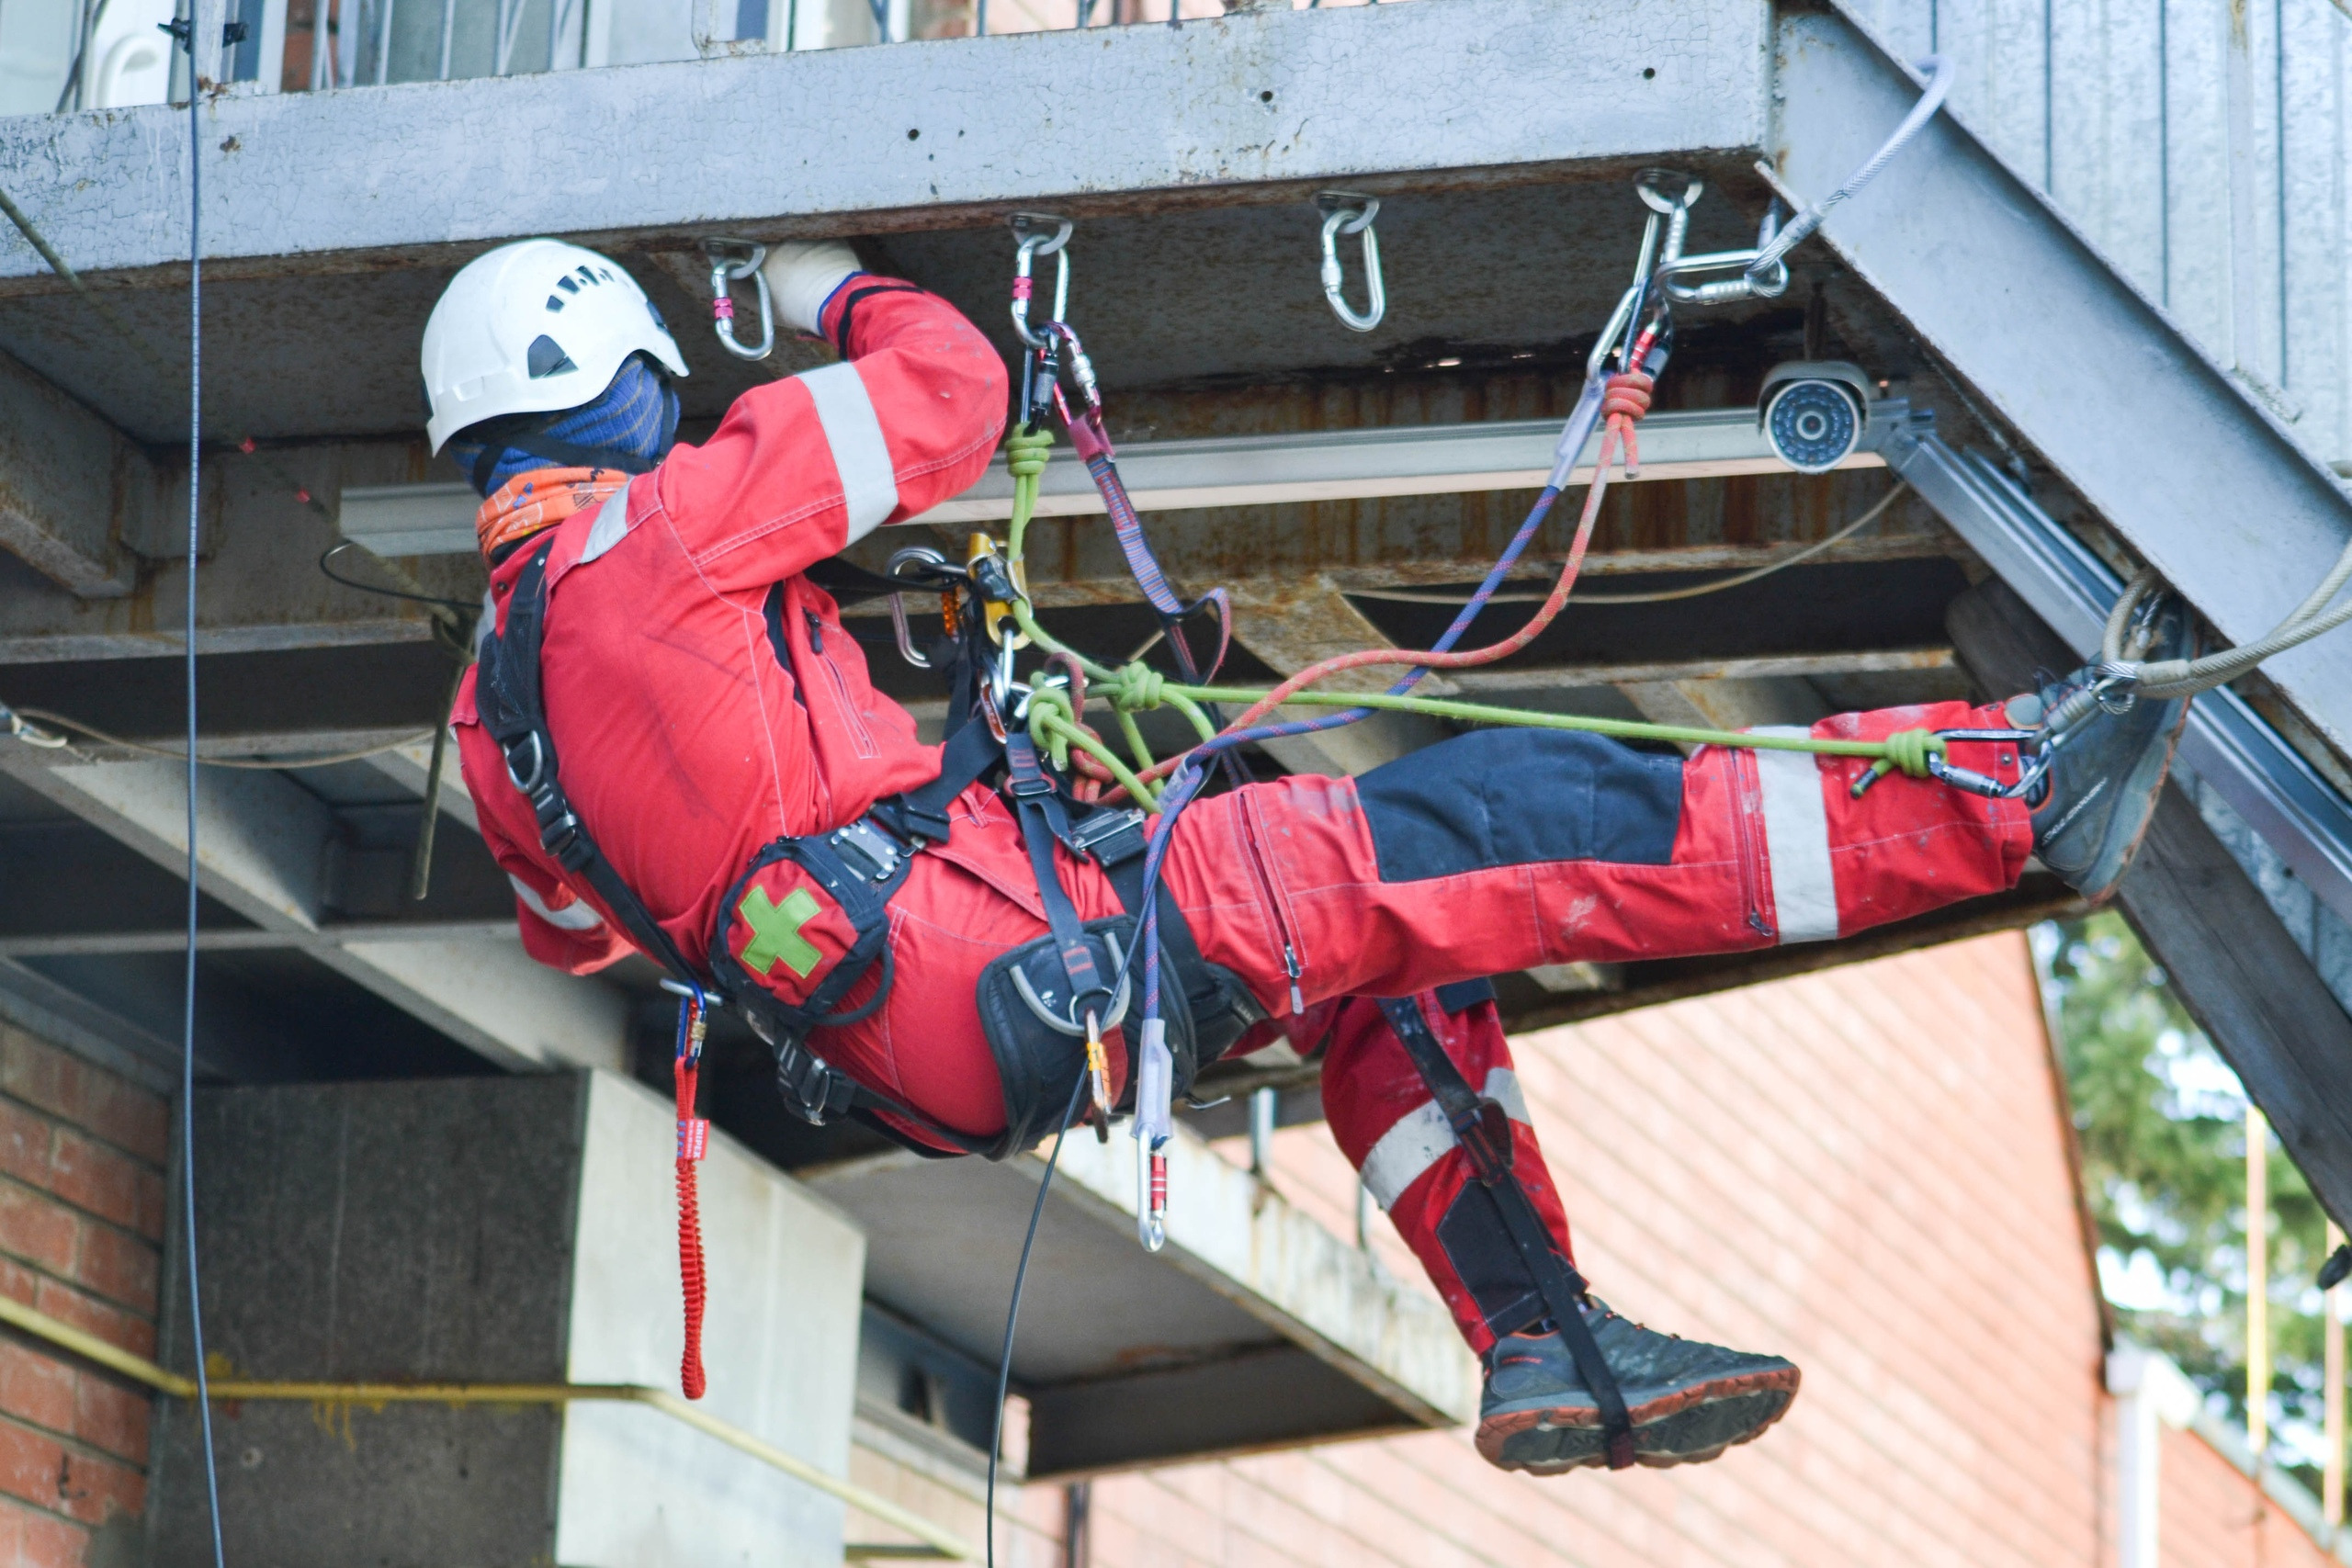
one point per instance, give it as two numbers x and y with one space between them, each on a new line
2110 752
1689 1401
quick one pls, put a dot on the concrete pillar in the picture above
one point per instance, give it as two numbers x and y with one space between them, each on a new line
508 1230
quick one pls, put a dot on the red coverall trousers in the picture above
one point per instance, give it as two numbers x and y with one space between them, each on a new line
704 699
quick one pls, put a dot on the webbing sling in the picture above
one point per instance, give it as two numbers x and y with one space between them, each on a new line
1483 1129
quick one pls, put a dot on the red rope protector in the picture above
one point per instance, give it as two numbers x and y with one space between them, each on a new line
694 1138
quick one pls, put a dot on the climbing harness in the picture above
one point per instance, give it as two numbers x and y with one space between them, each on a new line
730 262
1346 214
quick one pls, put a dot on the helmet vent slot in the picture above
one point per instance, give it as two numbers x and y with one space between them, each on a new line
547 358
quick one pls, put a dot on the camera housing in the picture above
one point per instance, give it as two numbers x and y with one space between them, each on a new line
1813 412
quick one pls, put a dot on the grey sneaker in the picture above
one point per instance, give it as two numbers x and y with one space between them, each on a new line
1689 1401
2108 766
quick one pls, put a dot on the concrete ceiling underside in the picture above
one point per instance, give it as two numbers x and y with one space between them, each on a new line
2056 431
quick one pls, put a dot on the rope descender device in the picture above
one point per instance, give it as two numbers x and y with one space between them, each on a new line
730 262
1347 214
694 1143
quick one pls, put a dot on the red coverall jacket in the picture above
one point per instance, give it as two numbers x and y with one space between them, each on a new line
722 726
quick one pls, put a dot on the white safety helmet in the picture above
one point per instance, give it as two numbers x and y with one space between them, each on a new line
531 328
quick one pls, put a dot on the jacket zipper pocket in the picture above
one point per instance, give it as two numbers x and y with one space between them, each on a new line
1259 870
856 722
1746 795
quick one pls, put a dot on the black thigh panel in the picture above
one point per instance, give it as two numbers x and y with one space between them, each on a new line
1497 798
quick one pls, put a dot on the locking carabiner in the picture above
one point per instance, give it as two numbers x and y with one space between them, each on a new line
1029 229
1344 213
730 262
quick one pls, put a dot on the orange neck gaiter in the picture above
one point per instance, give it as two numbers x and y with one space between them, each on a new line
540 498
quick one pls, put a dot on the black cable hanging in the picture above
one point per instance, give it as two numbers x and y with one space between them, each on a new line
1013 1312
182 29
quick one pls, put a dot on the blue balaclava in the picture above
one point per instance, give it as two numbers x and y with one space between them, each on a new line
629 425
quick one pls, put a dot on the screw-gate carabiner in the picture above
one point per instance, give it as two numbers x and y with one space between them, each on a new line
1349 214
1029 229
1754 282
731 261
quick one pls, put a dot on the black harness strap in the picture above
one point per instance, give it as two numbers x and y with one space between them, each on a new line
507 694
1043 820
1482 1128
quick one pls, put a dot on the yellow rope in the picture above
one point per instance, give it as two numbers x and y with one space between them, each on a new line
140 1370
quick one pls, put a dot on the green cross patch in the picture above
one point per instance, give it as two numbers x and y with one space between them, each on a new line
775 932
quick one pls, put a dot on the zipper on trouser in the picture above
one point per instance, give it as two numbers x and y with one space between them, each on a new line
1747 797
1259 870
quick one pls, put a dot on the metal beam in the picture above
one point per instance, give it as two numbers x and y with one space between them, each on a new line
863 141
1291 625
2238 970
259 587
2204 482
262 849
2228 745
1239 470
70 487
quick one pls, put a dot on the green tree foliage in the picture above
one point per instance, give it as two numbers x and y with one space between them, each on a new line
2162 1122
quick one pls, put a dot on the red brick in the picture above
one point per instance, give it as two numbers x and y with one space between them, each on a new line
95 1489
118 1266
39 1230
18 1282
42 1075
36 1387
48 1541
127 1116
30 1466
111 1418
24 1144
91 1176
149 1220
111 1324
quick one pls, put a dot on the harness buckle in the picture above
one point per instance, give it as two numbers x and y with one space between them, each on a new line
1110 836
1485 1137
862 840
524 783
812 1089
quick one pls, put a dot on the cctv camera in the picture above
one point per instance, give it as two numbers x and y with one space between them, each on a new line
1814 412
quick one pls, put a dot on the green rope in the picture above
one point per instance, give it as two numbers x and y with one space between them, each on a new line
1137 688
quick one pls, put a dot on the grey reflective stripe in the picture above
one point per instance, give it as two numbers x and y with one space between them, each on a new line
575 916
1796 840
610 527
869 487
1422 1138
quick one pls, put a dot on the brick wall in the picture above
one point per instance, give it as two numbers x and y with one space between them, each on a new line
2212 1515
1864 1169
81 1158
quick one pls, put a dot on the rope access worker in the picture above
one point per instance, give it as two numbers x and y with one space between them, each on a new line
655 631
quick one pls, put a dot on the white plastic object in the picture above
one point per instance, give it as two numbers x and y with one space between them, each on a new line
1813 412
567 313
802 274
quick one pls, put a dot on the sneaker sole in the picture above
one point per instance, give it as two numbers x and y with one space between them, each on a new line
1690 1426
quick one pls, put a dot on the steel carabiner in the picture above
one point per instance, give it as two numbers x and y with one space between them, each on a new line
1029 229
731 261
899 626
1345 213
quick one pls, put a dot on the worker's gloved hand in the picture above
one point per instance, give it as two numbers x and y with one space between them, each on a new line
802 274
